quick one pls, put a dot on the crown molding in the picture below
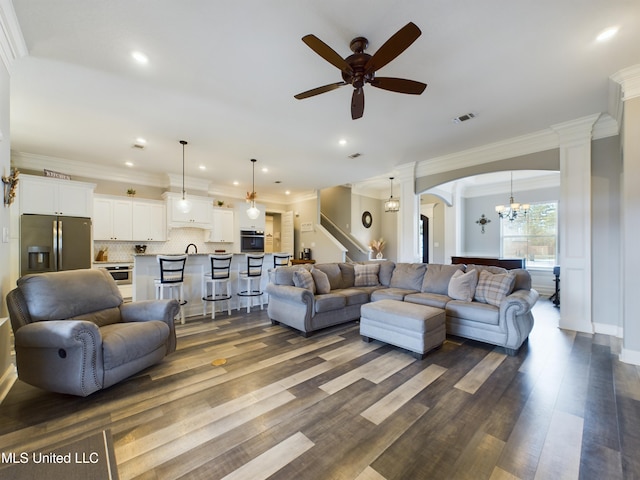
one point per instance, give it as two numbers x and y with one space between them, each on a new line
34 161
12 44
629 81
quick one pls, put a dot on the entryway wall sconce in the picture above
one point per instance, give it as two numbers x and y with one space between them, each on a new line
482 221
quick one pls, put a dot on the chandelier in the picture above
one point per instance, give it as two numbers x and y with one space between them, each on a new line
252 211
514 209
393 204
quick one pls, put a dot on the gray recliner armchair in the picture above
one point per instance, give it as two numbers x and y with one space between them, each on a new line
73 333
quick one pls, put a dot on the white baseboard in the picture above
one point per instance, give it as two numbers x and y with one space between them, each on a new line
7 380
608 329
630 356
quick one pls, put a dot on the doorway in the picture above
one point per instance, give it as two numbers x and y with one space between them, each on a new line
424 235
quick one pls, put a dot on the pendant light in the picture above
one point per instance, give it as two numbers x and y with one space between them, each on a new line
514 209
393 204
252 211
184 205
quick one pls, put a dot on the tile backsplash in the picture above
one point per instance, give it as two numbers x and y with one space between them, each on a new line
178 239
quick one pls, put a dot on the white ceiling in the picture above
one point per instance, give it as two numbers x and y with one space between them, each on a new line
222 75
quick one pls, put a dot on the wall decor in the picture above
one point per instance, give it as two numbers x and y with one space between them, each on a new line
306 226
10 183
367 219
482 221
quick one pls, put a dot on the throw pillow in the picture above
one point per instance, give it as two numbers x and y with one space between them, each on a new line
366 275
321 281
493 288
408 276
462 286
302 278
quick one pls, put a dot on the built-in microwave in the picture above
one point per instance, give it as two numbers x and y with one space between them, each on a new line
122 274
251 241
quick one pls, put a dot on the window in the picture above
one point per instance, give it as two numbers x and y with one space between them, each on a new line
533 237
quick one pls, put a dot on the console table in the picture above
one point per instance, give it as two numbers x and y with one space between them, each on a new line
508 263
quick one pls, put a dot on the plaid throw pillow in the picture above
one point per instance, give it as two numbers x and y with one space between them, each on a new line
493 288
367 275
302 278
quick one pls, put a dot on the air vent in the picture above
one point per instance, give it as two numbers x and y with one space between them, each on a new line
464 118
355 155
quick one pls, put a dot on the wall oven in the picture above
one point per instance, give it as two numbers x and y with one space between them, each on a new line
252 241
122 274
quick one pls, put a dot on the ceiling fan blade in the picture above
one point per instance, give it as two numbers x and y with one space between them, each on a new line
393 47
357 103
399 85
326 52
319 90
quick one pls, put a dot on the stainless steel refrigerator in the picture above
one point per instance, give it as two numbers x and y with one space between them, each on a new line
49 243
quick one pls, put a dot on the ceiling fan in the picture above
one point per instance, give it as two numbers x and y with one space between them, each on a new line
360 68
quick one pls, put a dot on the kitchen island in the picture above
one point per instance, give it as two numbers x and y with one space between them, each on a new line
146 270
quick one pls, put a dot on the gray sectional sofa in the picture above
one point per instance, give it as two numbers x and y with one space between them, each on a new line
484 303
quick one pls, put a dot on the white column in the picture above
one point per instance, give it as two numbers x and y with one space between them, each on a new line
574 222
408 216
629 80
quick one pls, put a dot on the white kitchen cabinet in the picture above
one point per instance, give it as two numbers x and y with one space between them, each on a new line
198 217
50 196
112 218
222 226
149 221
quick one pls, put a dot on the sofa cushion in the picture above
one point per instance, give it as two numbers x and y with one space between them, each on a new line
101 317
321 281
126 342
479 312
386 271
493 288
437 277
302 278
408 276
390 294
333 273
284 275
63 295
329 302
489 268
348 274
523 279
354 296
428 299
366 275
462 286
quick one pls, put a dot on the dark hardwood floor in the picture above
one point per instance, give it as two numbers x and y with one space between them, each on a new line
334 407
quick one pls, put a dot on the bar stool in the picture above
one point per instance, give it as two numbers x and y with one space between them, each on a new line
253 273
172 279
281 259
217 277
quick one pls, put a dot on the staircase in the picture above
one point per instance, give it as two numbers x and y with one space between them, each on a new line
356 252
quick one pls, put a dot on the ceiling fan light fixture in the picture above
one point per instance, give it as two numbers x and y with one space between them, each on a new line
393 204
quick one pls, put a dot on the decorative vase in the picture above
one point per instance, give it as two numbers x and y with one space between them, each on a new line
379 256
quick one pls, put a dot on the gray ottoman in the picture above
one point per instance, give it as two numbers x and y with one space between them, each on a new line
417 328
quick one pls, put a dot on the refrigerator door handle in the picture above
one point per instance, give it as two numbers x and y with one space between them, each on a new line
54 237
60 262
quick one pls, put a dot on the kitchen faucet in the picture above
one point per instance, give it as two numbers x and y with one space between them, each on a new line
186 250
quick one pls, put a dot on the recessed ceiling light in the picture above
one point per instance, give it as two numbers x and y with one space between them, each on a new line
236 183
202 167
342 141
265 169
141 141
129 164
287 192
607 34
140 57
